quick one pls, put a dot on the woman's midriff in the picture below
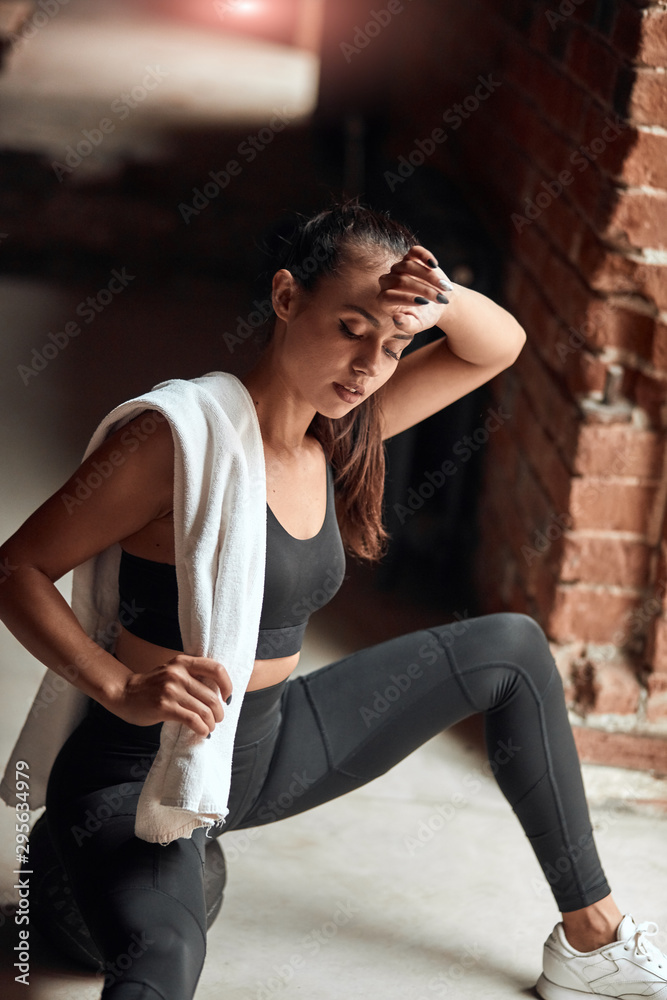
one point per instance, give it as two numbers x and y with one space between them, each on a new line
141 656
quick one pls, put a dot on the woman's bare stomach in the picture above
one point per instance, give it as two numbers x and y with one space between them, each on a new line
141 656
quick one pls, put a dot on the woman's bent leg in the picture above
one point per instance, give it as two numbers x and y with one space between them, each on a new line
352 721
143 904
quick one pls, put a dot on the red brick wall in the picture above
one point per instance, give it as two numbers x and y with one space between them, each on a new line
566 162
588 278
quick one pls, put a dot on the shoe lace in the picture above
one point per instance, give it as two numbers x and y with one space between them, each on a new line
642 946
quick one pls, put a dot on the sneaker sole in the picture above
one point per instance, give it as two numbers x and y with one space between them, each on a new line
550 991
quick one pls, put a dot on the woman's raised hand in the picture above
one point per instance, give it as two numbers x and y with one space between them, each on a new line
415 291
187 689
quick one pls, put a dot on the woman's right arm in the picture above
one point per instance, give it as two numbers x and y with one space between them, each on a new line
66 531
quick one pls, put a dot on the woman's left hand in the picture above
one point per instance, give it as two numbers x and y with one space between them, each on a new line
415 292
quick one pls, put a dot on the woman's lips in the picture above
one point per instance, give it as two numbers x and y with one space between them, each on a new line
349 393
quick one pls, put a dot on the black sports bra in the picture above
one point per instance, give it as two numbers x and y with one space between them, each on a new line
302 575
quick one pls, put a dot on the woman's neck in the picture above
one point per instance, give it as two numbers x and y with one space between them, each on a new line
284 417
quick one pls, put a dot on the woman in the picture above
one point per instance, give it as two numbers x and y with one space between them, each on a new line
352 291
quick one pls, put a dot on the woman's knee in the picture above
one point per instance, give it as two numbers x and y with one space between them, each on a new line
152 938
504 637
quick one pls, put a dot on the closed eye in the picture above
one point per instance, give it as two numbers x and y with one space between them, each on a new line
344 328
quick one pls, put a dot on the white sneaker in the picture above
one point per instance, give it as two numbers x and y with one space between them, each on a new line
628 968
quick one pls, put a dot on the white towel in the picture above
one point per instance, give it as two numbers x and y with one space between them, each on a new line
220 541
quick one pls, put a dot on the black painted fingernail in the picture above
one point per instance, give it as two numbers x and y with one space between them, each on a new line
431 262
209 736
442 298
421 301
228 701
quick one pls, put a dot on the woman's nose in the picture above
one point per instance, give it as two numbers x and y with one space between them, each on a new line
367 360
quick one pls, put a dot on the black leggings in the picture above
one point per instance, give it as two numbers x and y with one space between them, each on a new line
303 743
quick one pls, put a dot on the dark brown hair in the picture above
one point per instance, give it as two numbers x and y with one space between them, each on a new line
353 445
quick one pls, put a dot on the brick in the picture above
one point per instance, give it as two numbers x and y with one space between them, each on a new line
591 614
591 192
566 656
658 646
569 116
634 452
542 454
641 35
659 353
641 753
547 398
610 504
585 373
536 316
533 505
646 161
548 89
653 46
652 280
519 65
540 549
547 39
651 395
640 218
566 226
564 288
608 323
604 559
592 64
533 250
606 141
614 271
656 705
509 176
541 586
538 138
648 101
627 31
502 454
615 688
